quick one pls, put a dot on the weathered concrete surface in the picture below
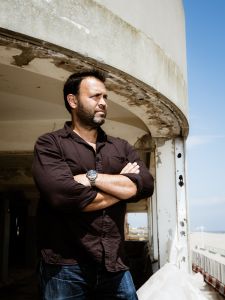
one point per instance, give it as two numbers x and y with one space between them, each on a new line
87 28
43 41
161 21
36 70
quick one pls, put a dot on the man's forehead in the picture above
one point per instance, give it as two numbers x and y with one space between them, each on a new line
92 83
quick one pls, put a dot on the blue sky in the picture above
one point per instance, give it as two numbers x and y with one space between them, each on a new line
205 31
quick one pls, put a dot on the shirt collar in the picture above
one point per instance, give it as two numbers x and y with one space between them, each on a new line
68 131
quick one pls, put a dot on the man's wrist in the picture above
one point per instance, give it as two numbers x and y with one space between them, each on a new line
92 176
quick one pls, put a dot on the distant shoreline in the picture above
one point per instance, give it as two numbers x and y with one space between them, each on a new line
203 231
208 239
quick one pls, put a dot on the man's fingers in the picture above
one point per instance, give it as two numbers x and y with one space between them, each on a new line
127 168
130 168
135 169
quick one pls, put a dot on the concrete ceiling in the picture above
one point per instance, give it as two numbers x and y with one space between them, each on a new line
26 95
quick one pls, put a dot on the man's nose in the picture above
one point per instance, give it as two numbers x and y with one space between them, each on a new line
102 102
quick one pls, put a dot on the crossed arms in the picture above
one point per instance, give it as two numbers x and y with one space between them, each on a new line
67 192
112 188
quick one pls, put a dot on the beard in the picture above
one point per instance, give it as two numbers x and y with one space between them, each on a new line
89 118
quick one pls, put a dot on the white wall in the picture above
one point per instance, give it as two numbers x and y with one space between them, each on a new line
161 20
155 55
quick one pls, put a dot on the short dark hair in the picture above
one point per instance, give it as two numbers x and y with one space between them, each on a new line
72 84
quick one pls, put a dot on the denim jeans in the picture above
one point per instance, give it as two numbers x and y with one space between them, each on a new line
85 282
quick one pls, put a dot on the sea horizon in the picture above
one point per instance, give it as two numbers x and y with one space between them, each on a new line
208 231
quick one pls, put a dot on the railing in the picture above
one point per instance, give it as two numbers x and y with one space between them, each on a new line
215 250
210 261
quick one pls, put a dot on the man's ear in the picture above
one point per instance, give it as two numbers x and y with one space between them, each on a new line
72 100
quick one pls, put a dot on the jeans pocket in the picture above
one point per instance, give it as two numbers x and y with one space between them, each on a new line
61 282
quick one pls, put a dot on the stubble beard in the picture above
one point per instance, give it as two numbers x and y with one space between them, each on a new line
89 119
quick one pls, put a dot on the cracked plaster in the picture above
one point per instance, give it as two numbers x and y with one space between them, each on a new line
160 115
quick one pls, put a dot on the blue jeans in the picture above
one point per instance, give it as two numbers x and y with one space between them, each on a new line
85 283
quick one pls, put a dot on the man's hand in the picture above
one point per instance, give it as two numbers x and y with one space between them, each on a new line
131 168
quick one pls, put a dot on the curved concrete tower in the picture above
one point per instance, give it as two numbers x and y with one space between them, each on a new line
141 46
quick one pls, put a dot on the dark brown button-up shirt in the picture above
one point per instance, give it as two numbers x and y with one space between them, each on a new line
66 234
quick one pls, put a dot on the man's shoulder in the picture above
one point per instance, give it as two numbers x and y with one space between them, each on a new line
52 135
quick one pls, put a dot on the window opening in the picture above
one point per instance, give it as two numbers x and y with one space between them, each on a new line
136 226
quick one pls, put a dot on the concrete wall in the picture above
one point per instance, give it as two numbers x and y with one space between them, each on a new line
153 51
161 20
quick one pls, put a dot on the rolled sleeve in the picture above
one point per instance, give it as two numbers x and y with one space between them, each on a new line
144 180
54 178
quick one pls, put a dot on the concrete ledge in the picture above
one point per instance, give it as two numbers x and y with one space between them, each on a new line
93 31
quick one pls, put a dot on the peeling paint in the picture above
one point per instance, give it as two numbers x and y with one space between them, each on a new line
158 158
24 58
160 115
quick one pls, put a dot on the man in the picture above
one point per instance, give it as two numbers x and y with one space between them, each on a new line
85 179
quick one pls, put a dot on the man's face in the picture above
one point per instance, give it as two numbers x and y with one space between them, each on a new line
91 107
